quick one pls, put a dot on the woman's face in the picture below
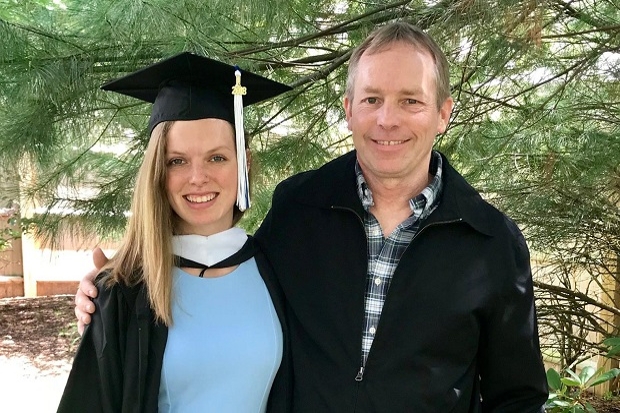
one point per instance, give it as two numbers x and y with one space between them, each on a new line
201 185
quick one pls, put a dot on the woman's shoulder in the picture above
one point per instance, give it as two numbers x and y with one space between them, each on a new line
266 271
110 288
258 253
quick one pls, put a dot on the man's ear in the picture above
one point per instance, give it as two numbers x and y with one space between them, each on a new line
347 103
444 115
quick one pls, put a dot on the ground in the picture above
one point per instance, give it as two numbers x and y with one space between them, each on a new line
38 339
41 329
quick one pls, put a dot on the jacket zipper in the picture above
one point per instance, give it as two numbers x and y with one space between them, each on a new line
360 373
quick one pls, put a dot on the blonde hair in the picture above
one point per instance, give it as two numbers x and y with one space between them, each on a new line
146 251
145 254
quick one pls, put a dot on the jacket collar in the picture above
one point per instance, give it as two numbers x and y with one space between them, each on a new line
334 186
461 201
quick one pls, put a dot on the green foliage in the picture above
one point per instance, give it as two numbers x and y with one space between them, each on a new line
9 233
567 392
61 129
536 125
613 344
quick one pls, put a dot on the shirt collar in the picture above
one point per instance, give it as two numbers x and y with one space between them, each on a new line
429 197
209 250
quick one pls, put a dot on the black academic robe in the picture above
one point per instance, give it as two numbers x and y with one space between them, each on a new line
117 367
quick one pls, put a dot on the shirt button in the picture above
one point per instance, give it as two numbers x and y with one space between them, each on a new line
377 281
372 330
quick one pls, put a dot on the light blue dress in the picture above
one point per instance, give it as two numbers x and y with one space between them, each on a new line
224 346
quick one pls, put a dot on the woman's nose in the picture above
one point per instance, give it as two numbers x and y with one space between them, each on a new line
199 174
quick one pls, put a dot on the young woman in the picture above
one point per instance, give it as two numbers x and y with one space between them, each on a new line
189 314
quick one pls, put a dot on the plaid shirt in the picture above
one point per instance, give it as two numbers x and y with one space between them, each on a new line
384 253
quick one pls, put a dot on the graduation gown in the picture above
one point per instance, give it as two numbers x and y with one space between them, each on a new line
117 367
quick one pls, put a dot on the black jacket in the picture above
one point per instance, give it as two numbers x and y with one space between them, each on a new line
117 367
459 320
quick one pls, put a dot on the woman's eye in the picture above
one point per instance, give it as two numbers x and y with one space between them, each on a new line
175 161
218 158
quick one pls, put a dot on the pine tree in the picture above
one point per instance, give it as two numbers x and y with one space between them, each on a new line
536 126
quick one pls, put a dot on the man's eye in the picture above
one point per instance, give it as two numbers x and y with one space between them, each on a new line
372 101
411 101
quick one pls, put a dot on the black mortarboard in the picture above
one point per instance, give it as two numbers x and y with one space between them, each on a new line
191 87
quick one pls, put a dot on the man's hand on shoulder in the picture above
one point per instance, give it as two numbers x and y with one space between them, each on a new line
84 307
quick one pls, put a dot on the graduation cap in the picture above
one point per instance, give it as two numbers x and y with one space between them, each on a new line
190 87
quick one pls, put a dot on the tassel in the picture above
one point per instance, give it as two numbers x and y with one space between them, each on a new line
243 190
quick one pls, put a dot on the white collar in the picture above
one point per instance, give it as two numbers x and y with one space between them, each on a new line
210 249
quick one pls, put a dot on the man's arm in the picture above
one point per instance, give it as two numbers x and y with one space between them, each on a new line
84 307
512 374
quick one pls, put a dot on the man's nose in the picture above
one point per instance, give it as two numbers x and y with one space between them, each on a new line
388 115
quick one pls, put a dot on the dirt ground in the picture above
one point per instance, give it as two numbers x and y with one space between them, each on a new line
38 339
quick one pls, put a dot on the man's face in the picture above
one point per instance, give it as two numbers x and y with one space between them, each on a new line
393 113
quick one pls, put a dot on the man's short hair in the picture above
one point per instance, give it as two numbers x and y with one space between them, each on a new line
381 38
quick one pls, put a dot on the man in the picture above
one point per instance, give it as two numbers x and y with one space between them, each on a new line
405 291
